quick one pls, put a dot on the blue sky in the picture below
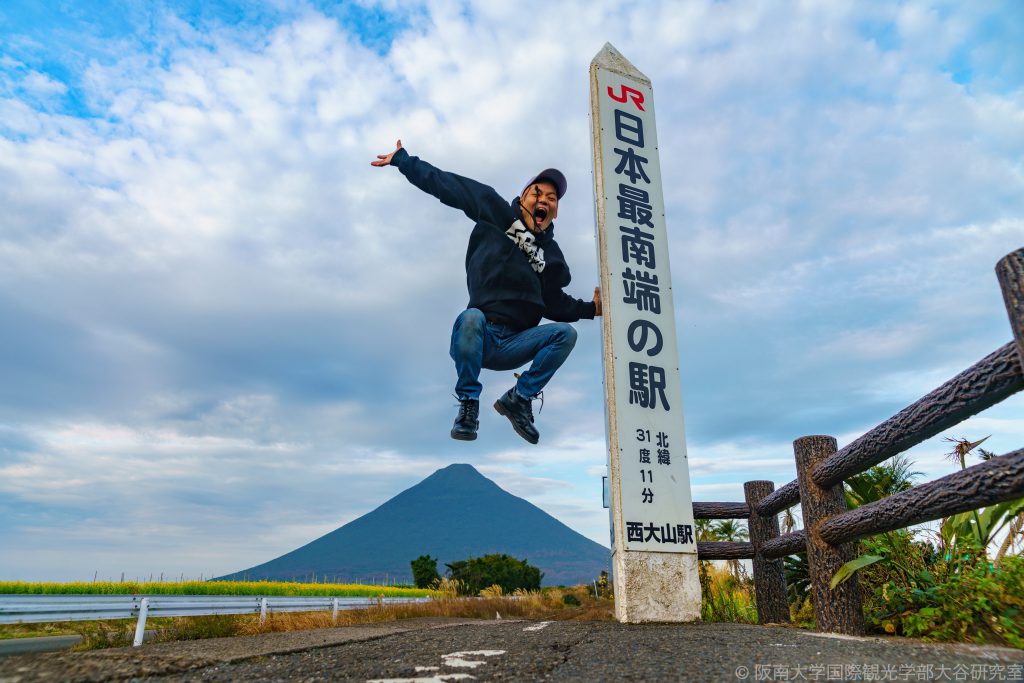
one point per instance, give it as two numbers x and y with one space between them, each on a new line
226 334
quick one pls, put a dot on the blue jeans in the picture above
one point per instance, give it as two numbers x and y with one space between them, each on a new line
478 344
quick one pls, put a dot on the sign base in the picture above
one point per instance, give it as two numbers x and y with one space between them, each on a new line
663 587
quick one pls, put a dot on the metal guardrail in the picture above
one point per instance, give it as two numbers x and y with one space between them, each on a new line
28 608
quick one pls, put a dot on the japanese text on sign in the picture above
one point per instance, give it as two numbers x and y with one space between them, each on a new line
653 477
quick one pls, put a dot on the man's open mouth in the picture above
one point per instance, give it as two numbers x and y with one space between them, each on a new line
539 214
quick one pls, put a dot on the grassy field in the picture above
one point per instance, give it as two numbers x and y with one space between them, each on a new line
208 588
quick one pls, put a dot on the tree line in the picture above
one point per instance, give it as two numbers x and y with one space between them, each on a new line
477 573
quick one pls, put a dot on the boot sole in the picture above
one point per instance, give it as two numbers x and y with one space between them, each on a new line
520 432
464 437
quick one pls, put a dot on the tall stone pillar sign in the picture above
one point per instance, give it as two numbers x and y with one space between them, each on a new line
654 551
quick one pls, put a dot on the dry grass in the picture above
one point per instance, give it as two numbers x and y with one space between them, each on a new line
724 598
547 605
551 604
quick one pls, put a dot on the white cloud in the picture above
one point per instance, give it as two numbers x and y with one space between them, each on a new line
42 85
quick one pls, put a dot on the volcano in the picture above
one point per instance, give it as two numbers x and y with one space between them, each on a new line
453 514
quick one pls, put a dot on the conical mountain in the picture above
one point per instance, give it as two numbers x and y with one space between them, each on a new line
453 514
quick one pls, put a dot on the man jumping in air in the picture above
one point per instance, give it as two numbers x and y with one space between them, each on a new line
515 272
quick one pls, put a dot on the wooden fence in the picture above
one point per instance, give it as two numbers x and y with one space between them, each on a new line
829 528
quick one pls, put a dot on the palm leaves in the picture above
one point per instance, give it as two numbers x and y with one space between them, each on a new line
880 481
723 530
873 484
730 530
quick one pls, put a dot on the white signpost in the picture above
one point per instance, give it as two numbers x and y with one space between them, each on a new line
654 550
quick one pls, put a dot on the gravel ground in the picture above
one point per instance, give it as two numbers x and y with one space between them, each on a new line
447 650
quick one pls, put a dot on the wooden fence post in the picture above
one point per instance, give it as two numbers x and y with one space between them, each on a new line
1010 271
769 578
836 610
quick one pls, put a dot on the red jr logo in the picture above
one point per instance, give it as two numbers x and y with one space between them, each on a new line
624 91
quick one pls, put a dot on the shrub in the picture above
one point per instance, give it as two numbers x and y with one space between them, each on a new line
97 635
960 598
511 574
424 571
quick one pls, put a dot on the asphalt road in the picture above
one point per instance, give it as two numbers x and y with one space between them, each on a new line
451 650
19 646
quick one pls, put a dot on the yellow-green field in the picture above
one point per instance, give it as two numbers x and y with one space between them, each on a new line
208 588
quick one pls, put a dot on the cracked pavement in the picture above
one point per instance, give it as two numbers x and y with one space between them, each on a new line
470 650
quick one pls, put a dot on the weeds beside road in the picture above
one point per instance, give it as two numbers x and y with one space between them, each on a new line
550 604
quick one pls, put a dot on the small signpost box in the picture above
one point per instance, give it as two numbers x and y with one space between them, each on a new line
654 550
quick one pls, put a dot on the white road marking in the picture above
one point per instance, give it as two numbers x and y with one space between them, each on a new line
443 678
459 658
537 627
455 659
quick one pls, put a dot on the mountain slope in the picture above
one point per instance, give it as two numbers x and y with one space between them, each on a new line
453 514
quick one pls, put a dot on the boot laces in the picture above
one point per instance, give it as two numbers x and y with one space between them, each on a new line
539 410
529 405
468 408
529 401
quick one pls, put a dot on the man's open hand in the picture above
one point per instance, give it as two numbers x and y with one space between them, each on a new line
385 159
597 301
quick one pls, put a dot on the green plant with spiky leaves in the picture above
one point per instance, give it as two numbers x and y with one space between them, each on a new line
977 528
798 578
874 484
911 588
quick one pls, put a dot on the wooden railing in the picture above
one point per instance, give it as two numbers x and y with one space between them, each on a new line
829 528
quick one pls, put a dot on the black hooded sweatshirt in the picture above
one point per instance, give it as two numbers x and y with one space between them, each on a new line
498 274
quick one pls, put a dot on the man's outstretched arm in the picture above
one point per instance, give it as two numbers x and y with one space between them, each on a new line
476 200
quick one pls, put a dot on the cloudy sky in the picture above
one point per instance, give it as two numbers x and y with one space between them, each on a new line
224 333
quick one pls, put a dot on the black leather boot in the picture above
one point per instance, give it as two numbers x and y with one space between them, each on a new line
467 421
519 412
